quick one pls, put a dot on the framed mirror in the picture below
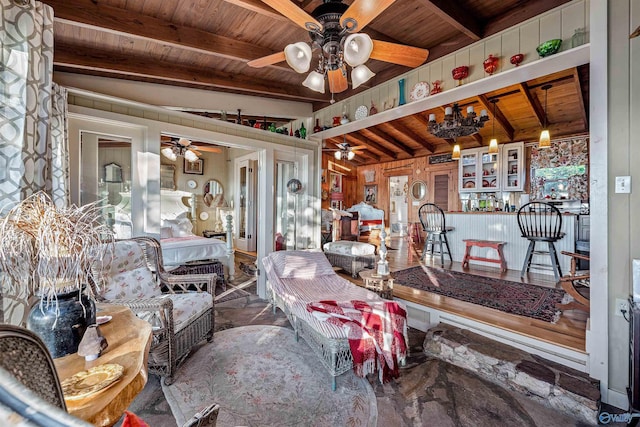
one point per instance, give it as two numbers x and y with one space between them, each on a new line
167 177
419 190
213 193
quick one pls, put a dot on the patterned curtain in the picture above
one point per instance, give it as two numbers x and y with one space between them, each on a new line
564 152
32 110
33 120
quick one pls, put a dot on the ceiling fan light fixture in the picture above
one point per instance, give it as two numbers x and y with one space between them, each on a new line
350 155
337 155
314 81
357 49
298 56
361 74
169 153
184 142
190 156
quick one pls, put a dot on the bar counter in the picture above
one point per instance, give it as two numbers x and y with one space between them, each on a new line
503 226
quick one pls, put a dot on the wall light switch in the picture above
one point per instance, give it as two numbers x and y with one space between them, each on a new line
623 184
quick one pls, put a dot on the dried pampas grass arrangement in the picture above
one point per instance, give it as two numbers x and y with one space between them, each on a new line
48 249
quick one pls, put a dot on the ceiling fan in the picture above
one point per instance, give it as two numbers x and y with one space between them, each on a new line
345 151
333 29
175 147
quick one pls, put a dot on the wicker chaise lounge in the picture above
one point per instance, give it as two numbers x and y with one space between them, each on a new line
296 278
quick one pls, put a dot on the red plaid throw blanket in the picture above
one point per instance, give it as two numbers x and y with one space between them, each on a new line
376 331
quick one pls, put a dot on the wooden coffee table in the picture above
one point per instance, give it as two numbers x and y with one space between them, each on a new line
129 339
381 285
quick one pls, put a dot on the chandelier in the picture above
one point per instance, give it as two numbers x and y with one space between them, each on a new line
455 124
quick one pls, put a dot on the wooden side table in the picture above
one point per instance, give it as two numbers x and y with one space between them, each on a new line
381 285
129 339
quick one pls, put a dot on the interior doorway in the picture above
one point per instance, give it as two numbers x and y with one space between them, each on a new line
246 212
398 205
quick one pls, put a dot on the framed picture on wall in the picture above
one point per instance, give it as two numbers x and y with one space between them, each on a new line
335 181
371 193
193 168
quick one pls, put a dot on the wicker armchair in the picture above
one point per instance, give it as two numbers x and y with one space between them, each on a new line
179 307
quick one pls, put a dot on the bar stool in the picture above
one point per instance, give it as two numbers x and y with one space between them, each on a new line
434 224
541 222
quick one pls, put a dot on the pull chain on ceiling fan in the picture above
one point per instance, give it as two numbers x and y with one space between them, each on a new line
333 30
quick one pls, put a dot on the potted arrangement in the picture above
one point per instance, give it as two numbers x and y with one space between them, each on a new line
48 251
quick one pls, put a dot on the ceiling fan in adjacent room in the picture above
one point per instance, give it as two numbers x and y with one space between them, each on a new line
345 151
172 148
333 29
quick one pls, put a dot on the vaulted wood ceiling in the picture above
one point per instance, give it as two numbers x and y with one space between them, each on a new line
206 44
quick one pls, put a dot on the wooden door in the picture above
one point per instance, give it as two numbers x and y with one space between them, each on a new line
441 189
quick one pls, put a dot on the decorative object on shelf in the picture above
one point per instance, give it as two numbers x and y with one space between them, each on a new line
303 131
436 87
490 64
345 118
272 127
223 116
373 110
545 137
317 128
239 117
401 90
332 28
549 47
517 59
92 344
361 112
455 124
419 91
493 144
460 73
578 38
336 121
47 251
387 105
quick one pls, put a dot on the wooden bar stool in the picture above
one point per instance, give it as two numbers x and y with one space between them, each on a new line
469 243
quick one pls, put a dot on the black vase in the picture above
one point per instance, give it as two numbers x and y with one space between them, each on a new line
63 332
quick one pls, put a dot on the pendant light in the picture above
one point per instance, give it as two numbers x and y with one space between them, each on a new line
493 145
545 138
294 186
456 150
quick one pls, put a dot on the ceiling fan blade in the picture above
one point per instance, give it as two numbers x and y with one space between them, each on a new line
208 149
337 81
293 12
195 150
363 12
401 54
267 60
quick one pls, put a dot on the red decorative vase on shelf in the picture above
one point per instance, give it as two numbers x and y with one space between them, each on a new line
516 59
317 128
490 64
460 73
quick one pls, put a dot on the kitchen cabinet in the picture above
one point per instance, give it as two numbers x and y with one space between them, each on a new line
512 168
479 170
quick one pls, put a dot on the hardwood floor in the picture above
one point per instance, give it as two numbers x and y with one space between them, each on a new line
569 331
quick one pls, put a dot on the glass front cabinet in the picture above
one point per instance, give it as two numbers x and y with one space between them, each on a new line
512 171
479 170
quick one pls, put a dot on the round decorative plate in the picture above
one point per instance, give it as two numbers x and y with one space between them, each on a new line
325 195
361 112
85 383
101 320
192 184
204 216
469 184
419 91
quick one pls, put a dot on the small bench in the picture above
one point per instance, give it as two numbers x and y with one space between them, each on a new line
469 243
350 256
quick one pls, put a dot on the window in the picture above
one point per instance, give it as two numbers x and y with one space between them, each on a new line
558 180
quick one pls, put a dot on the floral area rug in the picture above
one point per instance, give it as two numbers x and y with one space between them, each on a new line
260 376
511 297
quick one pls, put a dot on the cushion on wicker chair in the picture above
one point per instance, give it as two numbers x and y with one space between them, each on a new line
301 264
344 247
126 273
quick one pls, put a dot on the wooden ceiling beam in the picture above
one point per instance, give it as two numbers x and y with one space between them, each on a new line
456 16
259 7
410 135
383 136
499 116
532 102
578 86
361 140
88 14
122 66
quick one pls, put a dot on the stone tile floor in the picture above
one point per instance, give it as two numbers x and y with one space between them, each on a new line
428 392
